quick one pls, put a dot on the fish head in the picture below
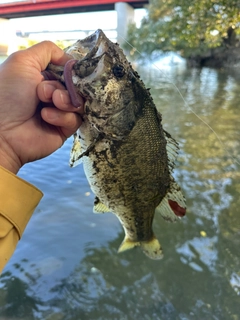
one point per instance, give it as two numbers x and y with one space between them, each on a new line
104 77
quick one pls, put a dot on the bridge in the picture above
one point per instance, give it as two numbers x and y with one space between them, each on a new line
21 8
10 9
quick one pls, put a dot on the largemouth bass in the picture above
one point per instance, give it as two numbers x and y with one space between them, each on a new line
128 157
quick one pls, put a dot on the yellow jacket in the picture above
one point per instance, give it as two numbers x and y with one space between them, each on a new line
18 199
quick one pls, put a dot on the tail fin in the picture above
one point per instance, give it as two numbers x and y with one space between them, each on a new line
151 248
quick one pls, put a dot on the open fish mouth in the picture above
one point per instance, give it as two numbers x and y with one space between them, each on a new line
88 63
90 47
93 60
91 55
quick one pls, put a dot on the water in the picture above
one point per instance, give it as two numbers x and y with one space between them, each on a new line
66 266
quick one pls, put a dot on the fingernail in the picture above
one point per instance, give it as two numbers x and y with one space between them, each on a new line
65 97
51 114
48 90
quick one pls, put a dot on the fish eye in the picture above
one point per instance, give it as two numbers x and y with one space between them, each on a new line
118 70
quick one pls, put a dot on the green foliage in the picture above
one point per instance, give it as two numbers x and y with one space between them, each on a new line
192 28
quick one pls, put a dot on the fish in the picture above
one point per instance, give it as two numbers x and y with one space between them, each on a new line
128 157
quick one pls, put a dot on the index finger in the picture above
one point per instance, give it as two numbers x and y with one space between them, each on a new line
43 53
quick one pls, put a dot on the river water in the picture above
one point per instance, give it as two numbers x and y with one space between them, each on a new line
66 267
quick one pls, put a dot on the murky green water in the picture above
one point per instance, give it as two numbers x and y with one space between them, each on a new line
66 267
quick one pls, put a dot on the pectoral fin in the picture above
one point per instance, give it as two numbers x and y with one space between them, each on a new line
75 155
76 152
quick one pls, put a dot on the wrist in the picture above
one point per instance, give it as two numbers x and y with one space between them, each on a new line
8 159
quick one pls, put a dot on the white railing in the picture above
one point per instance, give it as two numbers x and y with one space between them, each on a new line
63 35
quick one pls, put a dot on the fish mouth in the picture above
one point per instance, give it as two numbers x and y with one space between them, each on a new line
90 64
88 52
88 47
94 60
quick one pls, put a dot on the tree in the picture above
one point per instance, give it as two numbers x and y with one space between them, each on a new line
197 29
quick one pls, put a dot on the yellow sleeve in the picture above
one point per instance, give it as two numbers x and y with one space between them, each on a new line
18 199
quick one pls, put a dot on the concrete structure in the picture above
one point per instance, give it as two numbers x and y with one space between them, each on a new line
6 33
3 41
125 16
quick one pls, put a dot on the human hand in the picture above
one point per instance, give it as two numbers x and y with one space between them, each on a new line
36 116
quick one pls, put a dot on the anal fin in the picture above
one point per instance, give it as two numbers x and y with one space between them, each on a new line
100 207
127 244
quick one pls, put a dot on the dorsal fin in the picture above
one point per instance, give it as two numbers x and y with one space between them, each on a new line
172 150
173 205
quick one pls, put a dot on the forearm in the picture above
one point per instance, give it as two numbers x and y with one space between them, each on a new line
18 199
8 158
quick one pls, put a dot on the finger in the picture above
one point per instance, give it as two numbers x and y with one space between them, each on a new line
62 100
45 52
49 91
68 122
45 89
